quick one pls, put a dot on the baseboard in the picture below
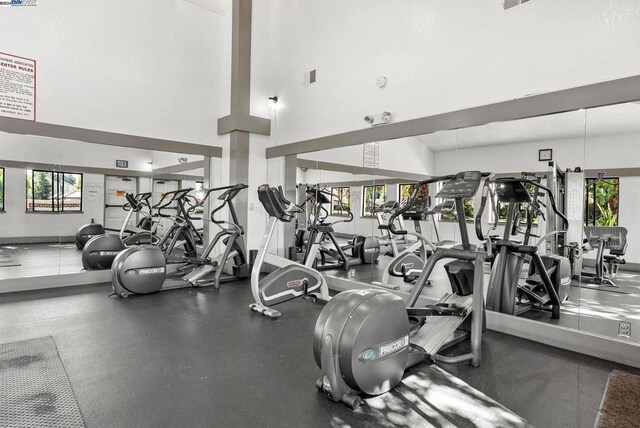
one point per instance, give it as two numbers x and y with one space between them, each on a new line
607 348
37 240
13 285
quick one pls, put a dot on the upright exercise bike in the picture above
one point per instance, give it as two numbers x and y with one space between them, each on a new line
291 279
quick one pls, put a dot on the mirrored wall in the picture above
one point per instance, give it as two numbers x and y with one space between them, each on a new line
51 189
580 174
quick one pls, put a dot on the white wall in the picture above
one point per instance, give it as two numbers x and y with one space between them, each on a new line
156 68
402 154
602 152
15 222
28 148
612 151
438 56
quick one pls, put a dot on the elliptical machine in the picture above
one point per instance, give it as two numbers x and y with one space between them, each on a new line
546 272
364 340
143 270
231 234
88 231
291 280
100 251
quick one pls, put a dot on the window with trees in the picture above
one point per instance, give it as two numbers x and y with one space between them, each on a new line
406 189
1 189
340 201
469 210
199 195
521 207
602 199
53 191
372 196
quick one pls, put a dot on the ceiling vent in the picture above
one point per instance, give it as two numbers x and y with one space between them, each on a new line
508 4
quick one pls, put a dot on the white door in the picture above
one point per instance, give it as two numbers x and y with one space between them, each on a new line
160 187
115 189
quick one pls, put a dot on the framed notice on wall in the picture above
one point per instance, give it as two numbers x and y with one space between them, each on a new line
17 87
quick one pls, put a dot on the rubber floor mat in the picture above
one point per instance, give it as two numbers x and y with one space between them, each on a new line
34 388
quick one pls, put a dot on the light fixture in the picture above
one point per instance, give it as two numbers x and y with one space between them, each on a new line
273 100
368 119
386 116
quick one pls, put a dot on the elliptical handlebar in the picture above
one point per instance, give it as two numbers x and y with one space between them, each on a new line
170 197
137 202
409 203
487 192
226 197
551 199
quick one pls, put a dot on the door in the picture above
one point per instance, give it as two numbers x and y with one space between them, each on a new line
160 187
114 200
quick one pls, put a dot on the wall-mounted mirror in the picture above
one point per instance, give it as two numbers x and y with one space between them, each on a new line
362 185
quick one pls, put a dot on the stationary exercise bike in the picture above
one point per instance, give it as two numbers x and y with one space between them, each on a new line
612 238
291 279
364 340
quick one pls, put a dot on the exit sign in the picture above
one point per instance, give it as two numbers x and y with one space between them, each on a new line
122 164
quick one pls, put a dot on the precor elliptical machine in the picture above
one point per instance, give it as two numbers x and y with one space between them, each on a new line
100 251
143 270
291 279
547 272
365 339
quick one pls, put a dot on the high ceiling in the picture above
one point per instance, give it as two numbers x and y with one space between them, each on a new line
616 119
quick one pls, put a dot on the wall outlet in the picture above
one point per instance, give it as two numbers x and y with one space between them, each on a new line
624 329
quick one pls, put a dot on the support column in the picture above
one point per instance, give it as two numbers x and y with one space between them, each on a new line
239 172
206 183
290 178
240 124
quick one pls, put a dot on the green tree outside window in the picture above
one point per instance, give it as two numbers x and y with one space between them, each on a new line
602 200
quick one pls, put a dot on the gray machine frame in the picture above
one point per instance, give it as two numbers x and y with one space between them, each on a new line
262 302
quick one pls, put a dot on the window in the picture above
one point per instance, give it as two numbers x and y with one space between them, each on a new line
199 195
523 208
1 189
602 201
372 196
52 191
469 210
405 190
340 201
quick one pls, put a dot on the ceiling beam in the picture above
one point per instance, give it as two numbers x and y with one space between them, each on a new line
41 129
588 96
186 166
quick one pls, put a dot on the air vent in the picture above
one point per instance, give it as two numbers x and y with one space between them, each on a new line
508 4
